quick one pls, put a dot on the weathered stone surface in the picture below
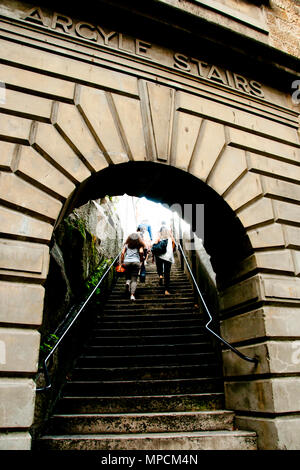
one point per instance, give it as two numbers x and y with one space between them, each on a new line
18 192
287 289
7 154
281 260
286 212
272 167
292 236
32 165
268 236
280 189
278 357
161 99
15 441
261 287
19 350
267 321
23 259
263 145
217 111
71 69
282 19
37 82
16 223
296 259
47 141
220 440
185 134
243 292
209 145
247 189
130 129
228 169
259 212
279 433
70 124
21 303
17 402
279 395
29 106
189 421
93 105
15 129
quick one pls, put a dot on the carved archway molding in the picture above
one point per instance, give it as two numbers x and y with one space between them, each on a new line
56 130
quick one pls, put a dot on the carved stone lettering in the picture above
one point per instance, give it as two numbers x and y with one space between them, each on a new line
142 47
86 31
117 41
61 21
106 36
36 15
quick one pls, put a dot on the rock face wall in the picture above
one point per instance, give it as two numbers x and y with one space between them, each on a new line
283 18
82 245
275 22
82 241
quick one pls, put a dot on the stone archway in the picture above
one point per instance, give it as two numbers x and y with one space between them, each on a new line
65 121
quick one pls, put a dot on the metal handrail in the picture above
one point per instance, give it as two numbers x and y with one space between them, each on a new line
243 356
45 368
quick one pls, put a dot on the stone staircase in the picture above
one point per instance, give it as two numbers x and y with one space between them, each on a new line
148 379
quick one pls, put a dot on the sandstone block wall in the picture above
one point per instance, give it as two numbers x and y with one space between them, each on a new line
65 117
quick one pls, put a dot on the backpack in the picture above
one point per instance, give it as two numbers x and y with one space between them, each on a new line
160 248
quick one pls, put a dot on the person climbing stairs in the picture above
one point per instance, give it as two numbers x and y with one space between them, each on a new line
148 378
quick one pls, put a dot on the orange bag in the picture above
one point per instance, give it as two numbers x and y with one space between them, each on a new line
120 269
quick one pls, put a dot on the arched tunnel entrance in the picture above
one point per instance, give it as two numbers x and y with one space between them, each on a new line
223 236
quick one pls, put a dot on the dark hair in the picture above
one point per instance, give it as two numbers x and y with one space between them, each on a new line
134 241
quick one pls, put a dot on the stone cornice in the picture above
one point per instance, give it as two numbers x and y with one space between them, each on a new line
173 27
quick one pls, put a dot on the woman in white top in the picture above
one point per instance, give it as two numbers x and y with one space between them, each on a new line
131 257
164 262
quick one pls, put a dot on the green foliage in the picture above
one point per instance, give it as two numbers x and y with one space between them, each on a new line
76 223
96 276
49 343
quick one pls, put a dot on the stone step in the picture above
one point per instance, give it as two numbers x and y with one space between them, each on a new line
152 277
148 378
137 404
148 322
146 360
99 340
137 422
138 373
140 387
149 316
183 286
147 349
155 288
147 293
150 304
131 309
120 332
201 440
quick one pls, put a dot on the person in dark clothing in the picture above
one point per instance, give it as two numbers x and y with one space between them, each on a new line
164 262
